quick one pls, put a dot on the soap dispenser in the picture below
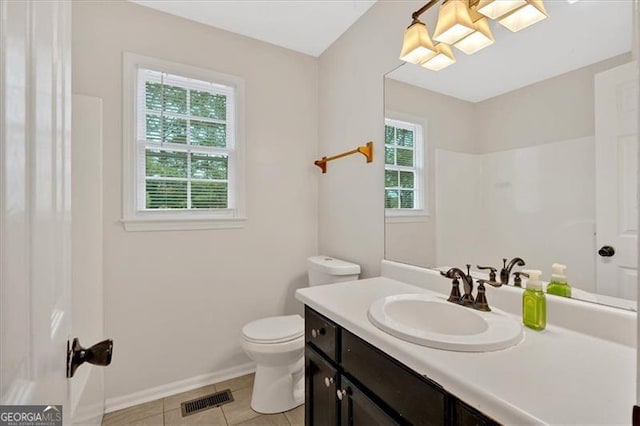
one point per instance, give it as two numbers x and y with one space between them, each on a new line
558 284
534 302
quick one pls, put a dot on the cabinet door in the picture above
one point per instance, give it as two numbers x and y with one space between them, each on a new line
467 416
358 410
321 402
415 399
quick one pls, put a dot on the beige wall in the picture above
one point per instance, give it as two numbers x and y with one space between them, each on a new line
351 111
556 109
175 301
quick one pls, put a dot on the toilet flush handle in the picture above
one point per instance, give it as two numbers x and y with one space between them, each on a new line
317 332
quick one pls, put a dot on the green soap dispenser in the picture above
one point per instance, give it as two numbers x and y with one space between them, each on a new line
558 284
534 302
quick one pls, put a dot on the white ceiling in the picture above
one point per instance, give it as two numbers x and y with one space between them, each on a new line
308 26
574 35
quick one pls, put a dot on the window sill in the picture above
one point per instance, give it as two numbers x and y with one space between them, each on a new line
182 224
405 216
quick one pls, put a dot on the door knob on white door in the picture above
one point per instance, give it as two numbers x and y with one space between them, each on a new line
98 354
607 251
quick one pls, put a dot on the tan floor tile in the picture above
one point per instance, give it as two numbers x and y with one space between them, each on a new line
172 402
156 420
267 420
131 414
239 410
211 417
296 416
237 383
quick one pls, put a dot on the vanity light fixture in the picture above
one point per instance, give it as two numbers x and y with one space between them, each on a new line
465 25
417 46
477 40
443 58
525 16
454 22
495 9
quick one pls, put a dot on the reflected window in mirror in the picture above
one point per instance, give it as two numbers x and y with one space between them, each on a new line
404 184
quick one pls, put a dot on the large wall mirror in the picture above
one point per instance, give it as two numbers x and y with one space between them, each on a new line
528 148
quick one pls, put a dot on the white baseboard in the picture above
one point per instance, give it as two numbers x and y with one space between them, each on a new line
126 401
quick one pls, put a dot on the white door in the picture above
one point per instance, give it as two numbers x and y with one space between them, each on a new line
87 386
35 239
616 114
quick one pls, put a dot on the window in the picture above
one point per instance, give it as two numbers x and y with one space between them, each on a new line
182 140
403 175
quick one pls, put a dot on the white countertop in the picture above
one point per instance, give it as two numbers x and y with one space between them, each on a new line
556 376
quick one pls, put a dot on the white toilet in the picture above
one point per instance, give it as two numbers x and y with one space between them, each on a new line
276 344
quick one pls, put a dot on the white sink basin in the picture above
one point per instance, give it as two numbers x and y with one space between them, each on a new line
434 322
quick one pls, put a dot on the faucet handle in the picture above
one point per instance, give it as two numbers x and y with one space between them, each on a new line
517 282
455 295
490 282
492 274
481 302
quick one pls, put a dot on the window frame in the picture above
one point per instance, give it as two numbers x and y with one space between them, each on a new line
420 211
136 218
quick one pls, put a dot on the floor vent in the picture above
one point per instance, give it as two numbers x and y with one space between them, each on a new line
206 402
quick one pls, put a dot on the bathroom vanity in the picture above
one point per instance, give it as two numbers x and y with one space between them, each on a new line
356 374
350 382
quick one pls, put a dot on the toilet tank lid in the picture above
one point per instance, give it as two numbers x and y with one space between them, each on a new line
331 266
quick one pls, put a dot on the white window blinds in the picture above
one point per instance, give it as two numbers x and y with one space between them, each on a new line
403 147
185 143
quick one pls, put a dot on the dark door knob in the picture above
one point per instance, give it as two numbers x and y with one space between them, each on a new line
606 251
98 354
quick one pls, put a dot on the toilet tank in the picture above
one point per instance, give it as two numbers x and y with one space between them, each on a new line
327 270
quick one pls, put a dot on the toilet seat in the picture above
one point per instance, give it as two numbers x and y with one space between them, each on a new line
278 329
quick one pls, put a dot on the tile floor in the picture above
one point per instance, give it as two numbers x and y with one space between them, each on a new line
166 411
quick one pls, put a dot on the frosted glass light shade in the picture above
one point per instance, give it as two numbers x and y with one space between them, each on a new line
442 59
417 46
477 40
524 17
454 22
494 9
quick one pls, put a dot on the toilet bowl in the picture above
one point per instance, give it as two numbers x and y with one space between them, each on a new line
276 344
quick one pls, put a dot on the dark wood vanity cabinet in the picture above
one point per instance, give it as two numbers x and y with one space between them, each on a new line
351 383
468 416
357 409
321 386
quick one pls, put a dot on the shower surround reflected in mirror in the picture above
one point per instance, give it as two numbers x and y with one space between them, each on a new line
527 149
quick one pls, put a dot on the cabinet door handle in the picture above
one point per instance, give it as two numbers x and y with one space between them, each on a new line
341 393
328 381
317 332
